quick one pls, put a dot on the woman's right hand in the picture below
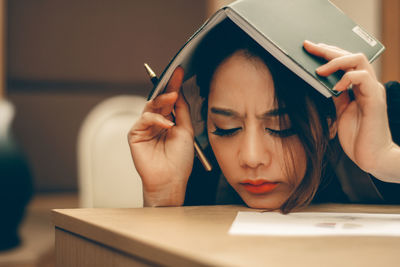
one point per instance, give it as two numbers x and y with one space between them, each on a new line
161 150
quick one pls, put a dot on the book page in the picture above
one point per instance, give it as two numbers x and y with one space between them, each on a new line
316 224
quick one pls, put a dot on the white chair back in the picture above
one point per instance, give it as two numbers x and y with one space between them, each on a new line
106 173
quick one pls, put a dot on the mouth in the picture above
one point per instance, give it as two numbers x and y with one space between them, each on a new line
259 186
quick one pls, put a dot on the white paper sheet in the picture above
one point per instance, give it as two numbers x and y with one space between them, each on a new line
315 224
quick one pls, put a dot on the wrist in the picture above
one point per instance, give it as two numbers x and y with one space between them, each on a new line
171 195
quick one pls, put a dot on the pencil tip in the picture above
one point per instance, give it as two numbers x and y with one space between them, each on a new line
149 70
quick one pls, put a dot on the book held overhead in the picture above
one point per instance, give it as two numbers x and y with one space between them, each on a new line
280 27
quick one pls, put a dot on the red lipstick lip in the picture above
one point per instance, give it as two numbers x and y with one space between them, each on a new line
256 181
259 186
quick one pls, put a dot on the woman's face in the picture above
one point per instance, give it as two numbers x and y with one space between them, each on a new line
245 134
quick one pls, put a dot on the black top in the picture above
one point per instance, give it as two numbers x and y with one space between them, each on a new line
345 182
391 191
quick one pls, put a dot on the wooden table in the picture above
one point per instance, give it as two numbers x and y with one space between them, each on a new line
198 236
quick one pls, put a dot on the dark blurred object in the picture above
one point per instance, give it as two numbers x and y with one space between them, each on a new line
15 181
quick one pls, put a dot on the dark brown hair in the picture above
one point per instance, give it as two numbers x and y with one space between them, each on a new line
308 111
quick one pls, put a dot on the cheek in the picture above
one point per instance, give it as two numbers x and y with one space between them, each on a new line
224 151
296 162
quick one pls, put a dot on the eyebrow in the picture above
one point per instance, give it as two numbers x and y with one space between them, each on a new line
231 113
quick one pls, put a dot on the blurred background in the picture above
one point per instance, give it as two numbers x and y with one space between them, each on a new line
62 58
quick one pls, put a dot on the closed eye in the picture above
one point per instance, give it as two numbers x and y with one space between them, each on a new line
230 132
225 132
281 133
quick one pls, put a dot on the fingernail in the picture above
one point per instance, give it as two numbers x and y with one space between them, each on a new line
171 123
335 88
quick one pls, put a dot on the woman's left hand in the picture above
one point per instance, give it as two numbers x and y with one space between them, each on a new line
362 124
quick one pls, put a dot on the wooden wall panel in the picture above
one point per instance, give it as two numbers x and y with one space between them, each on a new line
391 39
2 47
67 56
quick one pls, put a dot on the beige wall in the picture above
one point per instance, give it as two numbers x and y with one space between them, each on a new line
214 5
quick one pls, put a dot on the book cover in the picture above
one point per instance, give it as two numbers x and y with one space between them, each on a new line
281 26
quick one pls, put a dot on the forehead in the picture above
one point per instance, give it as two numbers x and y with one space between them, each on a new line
243 83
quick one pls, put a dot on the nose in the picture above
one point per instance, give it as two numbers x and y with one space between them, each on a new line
254 151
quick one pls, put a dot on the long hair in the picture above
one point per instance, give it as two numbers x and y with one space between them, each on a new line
309 112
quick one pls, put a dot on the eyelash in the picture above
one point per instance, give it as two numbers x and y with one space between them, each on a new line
225 132
230 132
281 133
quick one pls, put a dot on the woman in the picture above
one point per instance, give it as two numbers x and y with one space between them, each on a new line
274 139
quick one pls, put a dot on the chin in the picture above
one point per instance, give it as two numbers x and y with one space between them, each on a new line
263 202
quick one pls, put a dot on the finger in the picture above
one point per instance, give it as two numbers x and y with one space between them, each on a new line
182 113
166 106
347 62
175 82
147 127
362 78
324 51
162 104
148 120
166 110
